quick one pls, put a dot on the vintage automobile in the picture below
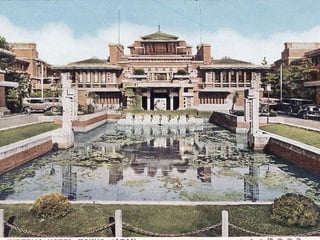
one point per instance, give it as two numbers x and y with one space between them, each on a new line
293 106
309 112
40 104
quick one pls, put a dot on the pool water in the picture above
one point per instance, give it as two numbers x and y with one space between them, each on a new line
159 163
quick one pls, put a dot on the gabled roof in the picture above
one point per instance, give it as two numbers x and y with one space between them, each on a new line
91 63
230 63
159 36
93 60
228 60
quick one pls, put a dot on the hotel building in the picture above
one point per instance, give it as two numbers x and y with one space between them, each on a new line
161 73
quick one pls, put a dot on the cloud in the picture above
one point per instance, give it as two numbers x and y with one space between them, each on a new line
58 45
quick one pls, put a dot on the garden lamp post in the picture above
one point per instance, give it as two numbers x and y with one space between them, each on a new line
268 89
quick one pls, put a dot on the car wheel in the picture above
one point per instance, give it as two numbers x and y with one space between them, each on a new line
305 116
54 109
27 110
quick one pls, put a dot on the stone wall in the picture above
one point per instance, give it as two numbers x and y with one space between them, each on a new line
300 156
16 154
230 122
87 122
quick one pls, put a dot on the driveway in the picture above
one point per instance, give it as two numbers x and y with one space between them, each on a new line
308 123
18 120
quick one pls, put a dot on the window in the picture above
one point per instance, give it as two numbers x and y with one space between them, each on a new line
240 76
225 76
217 77
80 77
249 76
233 76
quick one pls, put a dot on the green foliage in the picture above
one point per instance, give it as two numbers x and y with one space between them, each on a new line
5 61
138 72
238 113
293 77
295 209
155 218
52 205
93 96
15 95
299 134
273 114
181 72
20 133
4 44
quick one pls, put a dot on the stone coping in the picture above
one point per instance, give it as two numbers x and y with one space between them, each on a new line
32 140
171 203
293 142
168 203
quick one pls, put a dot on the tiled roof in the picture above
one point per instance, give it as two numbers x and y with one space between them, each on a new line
93 60
159 36
228 60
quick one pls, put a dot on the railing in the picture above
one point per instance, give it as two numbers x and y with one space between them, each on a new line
117 226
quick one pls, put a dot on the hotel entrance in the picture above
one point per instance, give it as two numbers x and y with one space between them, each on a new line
160 99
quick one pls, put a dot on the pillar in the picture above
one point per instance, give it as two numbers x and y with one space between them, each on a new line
225 224
118 223
171 102
148 100
1 224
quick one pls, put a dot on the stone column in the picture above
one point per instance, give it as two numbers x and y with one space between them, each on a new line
171 102
148 100
181 98
256 140
65 138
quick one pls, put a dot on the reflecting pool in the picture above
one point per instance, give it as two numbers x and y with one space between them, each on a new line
159 163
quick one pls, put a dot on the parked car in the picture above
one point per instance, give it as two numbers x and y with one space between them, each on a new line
40 104
292 106
310 111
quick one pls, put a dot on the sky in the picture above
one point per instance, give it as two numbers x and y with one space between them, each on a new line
72 30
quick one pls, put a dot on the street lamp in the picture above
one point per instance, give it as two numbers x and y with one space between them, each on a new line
268 89
41 77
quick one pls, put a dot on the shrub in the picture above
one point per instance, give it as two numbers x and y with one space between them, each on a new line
52 205
273 114
295 209
48 113
239 113
181 72
138 72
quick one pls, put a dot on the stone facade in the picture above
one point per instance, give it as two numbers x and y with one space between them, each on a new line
161 73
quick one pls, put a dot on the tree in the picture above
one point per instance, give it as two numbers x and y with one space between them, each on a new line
234 100
4 44
293 77
5 61
14 96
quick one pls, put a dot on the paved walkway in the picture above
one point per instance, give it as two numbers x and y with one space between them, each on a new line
18 120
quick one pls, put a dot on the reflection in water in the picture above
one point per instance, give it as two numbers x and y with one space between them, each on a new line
194 163
69 182
251 185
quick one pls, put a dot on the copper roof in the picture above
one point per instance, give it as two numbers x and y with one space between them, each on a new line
159 36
